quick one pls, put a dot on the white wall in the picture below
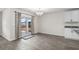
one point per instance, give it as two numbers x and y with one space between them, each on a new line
8 24
12 25
35 20
52 24
0 23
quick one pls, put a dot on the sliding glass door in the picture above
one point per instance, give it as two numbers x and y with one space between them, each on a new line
24 26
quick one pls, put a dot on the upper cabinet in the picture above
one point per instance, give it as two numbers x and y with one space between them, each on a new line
75 16
68 16
72 16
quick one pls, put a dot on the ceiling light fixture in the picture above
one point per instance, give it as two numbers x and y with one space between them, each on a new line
39 12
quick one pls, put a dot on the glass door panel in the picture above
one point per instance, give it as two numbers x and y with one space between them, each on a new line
24 27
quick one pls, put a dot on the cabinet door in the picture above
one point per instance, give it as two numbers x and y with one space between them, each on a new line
75 16
68 16
67 32
75 35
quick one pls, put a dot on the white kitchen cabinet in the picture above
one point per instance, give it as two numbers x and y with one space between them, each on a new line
68 33
75 35
72 15
75 16
68 16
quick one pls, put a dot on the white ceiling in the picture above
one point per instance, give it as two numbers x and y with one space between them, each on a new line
46 10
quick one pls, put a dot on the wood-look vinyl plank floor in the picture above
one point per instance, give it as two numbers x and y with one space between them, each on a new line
40 42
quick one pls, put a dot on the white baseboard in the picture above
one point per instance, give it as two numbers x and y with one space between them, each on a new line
51 34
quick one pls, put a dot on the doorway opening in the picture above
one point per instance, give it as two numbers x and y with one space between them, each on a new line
25 26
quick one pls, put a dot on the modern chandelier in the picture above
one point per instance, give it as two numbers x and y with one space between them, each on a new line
39 12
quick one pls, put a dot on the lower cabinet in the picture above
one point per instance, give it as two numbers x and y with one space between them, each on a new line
75 35
67 33
71 34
